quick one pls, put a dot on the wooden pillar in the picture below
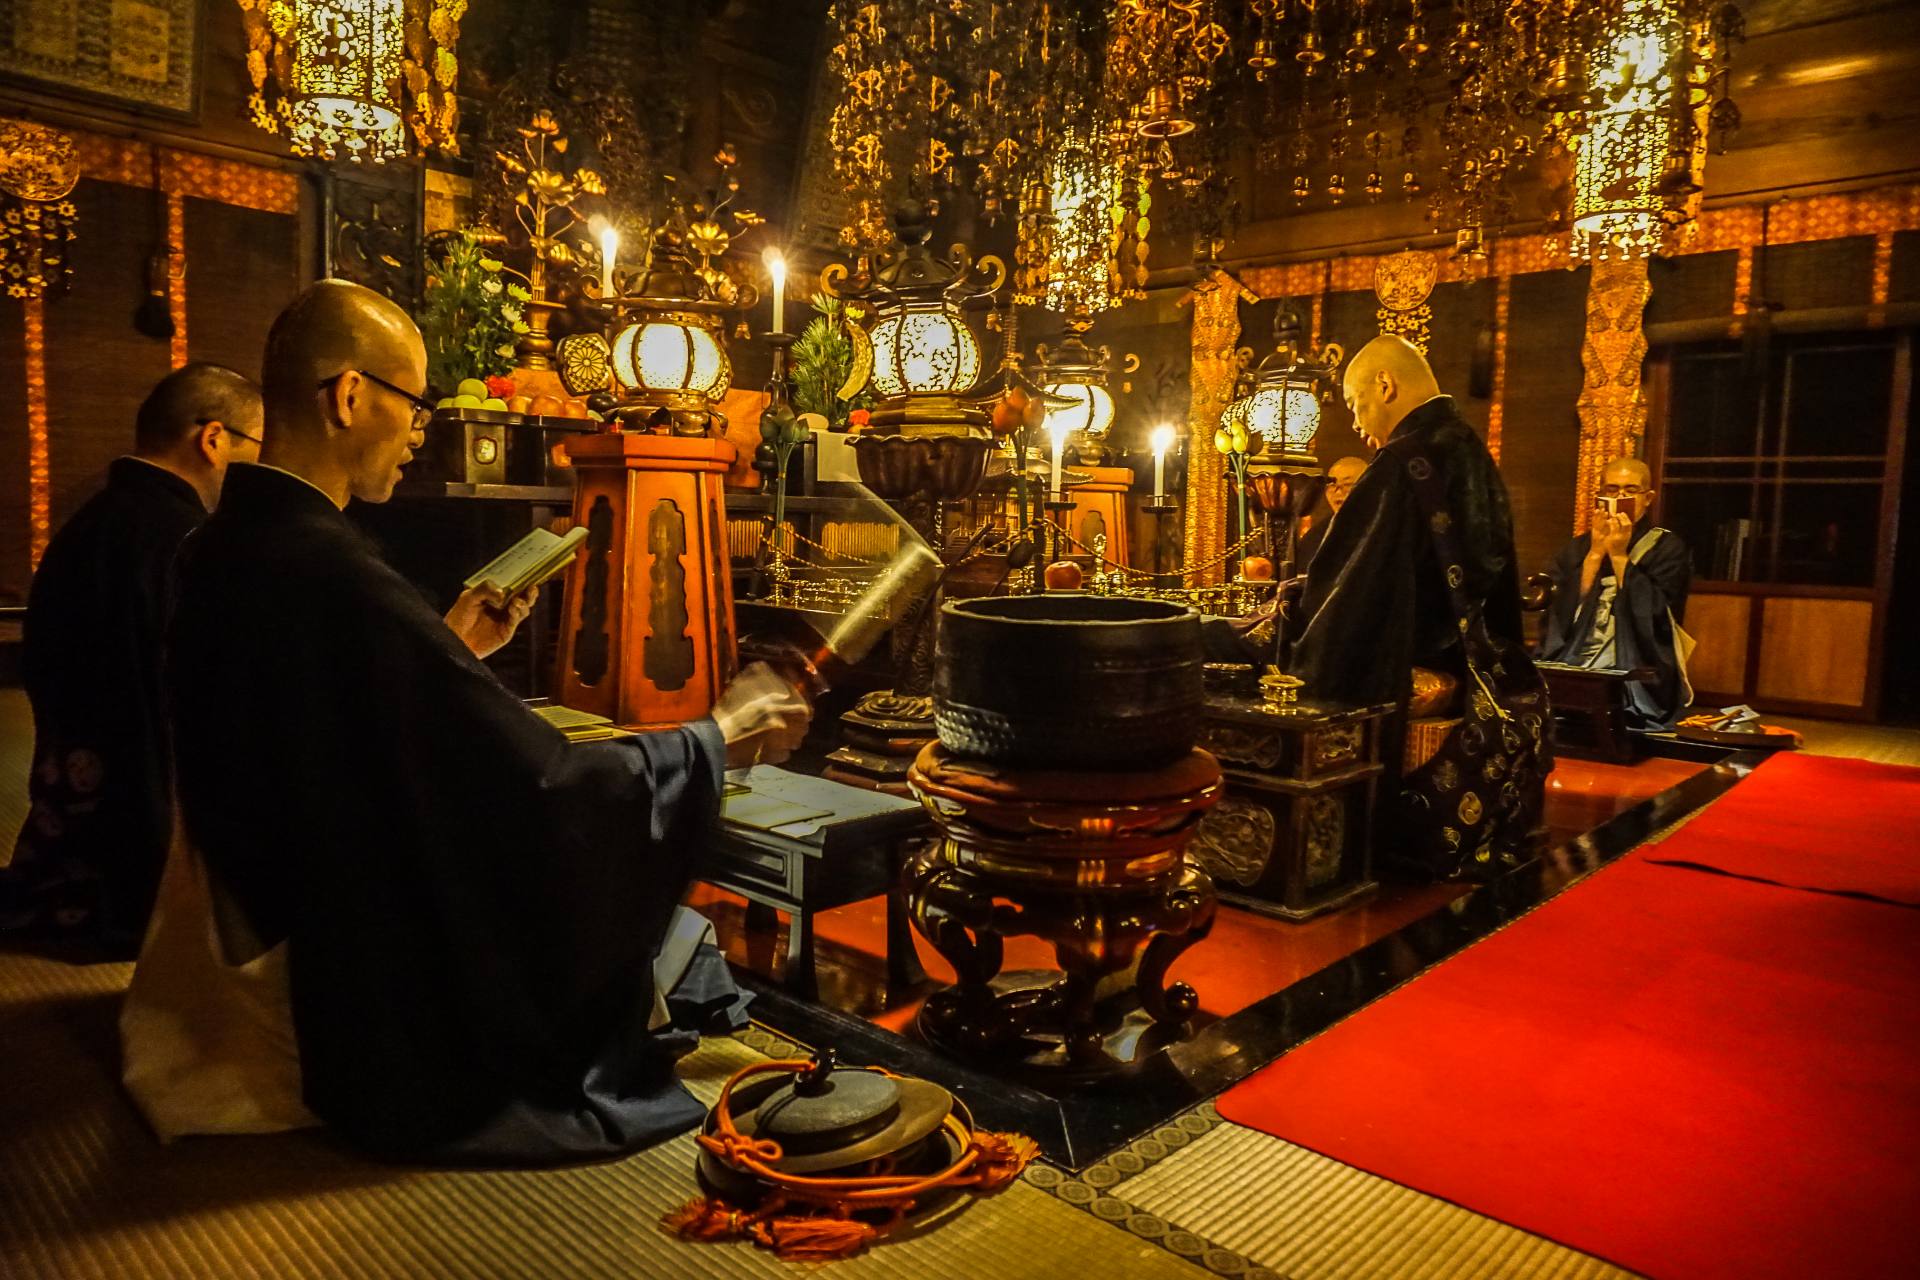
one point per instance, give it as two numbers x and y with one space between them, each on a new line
647 638
1613 410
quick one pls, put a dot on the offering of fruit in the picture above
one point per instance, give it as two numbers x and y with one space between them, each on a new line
467 400
471 387
1064 575
1011 412
1257 569
445 402
545 406
575 408
519 404
494 402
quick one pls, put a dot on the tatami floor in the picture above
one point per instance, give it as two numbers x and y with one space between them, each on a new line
84 1190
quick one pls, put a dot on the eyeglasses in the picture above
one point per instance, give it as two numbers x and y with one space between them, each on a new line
1621 491
232 431
422 407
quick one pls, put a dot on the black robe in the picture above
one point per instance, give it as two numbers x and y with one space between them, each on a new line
471 903
1644 613
1376 603
87 862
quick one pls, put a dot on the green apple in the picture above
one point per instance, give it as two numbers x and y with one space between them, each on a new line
494 402
445 402
466 401
471 387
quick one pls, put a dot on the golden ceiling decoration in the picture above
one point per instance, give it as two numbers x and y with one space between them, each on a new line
355 79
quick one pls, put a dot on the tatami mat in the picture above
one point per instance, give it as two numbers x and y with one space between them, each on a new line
1311 1218
86 1193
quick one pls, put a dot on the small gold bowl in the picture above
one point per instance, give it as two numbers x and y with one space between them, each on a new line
1278 690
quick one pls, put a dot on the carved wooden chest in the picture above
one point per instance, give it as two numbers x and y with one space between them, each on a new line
1293 836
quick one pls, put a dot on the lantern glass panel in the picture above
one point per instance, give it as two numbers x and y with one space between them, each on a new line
1285 415
924 349
1091 410
662 356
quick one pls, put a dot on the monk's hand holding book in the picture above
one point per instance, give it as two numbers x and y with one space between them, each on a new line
485 617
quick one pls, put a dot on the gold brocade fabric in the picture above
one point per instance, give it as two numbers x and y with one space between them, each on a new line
1216 331
1613 410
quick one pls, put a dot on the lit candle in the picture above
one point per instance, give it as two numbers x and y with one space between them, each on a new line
1162 441
777 268
609 250
1057 430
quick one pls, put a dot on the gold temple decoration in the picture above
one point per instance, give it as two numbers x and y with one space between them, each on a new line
352 79
1215 300
1403 282
1616 205
39 169
1612 406
545 208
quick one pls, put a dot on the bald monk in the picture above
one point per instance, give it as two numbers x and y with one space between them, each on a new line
88 859
1620 595
469 906
1341 477
1417 570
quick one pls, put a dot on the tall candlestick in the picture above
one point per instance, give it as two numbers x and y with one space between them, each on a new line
1059 435
609 250
777 268
1162 441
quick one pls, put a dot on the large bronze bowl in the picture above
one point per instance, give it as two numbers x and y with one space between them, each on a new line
1063 681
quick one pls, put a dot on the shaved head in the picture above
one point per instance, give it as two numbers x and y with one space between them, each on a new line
1341 477
1626 485
1385 381
190 398
340 366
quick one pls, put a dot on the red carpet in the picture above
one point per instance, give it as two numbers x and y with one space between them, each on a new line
1844 826
1688 1074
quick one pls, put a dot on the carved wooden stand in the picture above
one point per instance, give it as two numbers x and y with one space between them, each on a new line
1092 863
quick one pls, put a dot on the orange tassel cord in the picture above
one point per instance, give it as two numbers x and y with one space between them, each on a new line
825 1228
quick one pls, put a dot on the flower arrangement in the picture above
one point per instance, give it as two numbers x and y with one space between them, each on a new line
471 315
823 365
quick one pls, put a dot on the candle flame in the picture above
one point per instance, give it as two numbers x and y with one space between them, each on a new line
776 265
1162 438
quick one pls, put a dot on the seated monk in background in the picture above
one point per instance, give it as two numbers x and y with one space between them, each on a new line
469 906
1620 595
1419 571
1341 477
87 863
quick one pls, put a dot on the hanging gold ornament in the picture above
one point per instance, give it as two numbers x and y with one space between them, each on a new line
38 172
353 79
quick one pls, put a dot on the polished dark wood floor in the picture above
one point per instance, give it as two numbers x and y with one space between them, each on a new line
1248 956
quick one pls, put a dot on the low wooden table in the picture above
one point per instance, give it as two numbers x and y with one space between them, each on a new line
852 854
1594 698
1293 837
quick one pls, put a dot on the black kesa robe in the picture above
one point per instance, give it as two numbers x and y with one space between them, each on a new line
471 904
88 859
1644 612
1376 602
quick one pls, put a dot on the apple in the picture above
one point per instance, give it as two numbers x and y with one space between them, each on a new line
494 402
445 402
472 387
1257 569
1064 575
467 400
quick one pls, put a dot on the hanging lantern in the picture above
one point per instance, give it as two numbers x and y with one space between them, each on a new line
350 79
1617 203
